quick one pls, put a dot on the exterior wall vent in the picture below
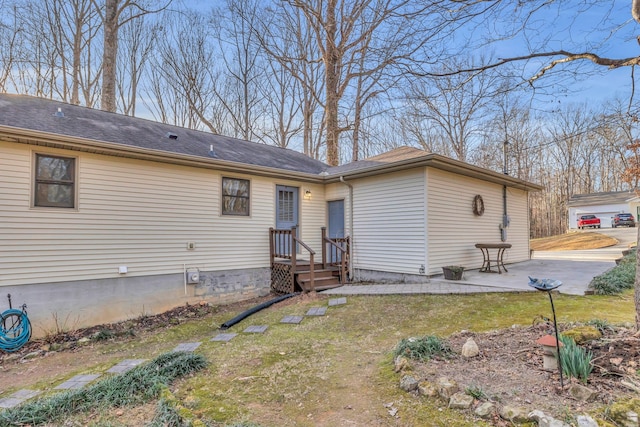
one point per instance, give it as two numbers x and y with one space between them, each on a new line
171 135
59 113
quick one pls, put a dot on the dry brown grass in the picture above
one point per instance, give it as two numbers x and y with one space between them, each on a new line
573 241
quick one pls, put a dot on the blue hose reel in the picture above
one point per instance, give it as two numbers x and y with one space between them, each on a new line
15 328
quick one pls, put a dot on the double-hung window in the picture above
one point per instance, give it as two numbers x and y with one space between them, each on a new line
235 196
55 181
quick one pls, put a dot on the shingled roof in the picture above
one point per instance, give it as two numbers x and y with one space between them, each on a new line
66 120
46 122
606 198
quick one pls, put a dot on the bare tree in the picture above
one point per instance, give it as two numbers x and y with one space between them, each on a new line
138 41
455 105
113 17
342 33
11 38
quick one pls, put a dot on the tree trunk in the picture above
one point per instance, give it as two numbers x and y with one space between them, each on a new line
110 28
637 284
332 67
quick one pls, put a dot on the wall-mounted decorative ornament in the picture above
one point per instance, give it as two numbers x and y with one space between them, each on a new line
478 205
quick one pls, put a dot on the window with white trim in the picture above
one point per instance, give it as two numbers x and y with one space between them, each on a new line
55 181
235 196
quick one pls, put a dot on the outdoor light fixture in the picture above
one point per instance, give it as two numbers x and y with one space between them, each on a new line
307 194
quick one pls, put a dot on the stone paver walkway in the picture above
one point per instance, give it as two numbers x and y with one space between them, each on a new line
125 365
80 381
224 337
317 311
17 398
256 329
187 346
292 319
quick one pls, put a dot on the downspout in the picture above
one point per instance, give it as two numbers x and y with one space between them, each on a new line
505 215
350 223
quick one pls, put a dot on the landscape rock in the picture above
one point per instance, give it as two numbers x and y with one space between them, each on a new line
586 421
426 388
582 393
485 410
460 400
446 388
408 383
545 420
470 348
583 334
516 414
625 412
84 341
630 419
32 355
401 363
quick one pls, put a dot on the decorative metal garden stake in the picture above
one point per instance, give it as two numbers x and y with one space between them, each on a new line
547 285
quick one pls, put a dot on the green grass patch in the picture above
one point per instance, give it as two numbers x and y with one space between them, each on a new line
308 374
137 386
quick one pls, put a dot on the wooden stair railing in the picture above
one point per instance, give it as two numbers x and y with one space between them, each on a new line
282 244
338 250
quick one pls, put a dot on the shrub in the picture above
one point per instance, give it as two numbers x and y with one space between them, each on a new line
423 348
476 392
141 384
602 325
618 279
576 362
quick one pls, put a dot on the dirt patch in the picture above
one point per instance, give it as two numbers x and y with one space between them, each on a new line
508 370
573 241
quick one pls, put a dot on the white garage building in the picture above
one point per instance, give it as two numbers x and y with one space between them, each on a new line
603 205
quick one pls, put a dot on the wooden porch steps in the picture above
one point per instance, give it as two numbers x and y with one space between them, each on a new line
324 279
290 274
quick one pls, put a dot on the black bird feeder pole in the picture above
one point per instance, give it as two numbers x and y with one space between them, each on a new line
555 327
547 285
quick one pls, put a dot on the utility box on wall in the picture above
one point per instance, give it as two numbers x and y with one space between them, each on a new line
193 277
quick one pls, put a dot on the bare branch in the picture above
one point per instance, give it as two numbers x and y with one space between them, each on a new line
568 57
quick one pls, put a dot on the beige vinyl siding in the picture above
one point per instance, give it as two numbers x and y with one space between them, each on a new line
453 229
131 213
389 222
518 231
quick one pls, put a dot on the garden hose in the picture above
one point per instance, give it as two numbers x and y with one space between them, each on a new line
15 330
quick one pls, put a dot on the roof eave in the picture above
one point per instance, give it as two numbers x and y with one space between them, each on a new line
438 162
31 137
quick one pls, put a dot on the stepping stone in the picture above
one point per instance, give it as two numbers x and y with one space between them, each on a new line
125 365
317 311
79 381
337 301
224 337
256 329
187 346
17 398
291 319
